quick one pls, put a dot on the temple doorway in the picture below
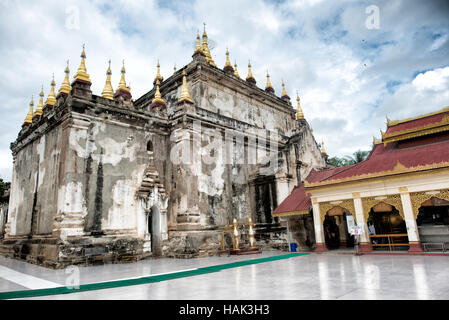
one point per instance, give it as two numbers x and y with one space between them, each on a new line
154 230
335 226
387 228
433 221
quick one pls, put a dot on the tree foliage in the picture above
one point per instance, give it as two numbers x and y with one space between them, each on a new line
3 185
356 157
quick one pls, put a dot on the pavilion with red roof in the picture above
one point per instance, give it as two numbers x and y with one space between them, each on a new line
404 179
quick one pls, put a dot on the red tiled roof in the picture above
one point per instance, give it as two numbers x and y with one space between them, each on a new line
385 159
298 202
417 123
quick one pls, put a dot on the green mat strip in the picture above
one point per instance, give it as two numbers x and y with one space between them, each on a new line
143 280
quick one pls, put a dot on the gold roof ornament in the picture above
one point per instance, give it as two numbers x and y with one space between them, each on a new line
51 99
41 103
300 114
198 49
122 84
174 69
206 50
82 71
236 73
269 87
65 87
322 147
108 91
157 101
29 117
228 66
185 96
284 92
158 75
250 77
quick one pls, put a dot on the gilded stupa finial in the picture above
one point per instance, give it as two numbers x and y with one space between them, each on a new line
158 74
82 71
322 147
157 101
250 77
198 49
29 117
284 92
185 96
300 114
40 105
268 86
236 73
174 69
108 91
205 48
228 66
122 84
65 86
51 99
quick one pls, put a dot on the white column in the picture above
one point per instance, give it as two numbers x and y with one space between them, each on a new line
365 242
318 226
361 222
412 228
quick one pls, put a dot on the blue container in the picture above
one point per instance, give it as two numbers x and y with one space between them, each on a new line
293 247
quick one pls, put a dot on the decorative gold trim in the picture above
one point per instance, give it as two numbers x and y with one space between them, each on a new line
430 128
402 189
393 200
398 169
396 122
418 198
347 204
290 213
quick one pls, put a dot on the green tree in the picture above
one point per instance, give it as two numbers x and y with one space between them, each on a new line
356 157
3 186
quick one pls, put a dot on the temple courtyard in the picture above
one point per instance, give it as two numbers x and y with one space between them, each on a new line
271 275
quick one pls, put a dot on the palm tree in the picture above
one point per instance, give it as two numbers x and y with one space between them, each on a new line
356 157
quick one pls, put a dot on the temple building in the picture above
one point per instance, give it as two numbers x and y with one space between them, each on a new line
106 178
398 196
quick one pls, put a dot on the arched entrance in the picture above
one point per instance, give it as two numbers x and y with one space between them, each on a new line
336 230
432 220
154 230
387 227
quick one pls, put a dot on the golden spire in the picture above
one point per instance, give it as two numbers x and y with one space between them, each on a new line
269 87
205 48
41 103
322 147
174 69
236 73
228 65
284 93
299 115
51 99
108 91
157 96
198 44
65 87
29 117
158 75
82 71
185 96
122 84
250 77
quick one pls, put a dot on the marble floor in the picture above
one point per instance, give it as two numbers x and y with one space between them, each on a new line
328 276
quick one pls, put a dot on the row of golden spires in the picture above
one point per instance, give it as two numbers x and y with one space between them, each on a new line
108 91
204 49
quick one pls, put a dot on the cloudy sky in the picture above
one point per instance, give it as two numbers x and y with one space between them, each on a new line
351 69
